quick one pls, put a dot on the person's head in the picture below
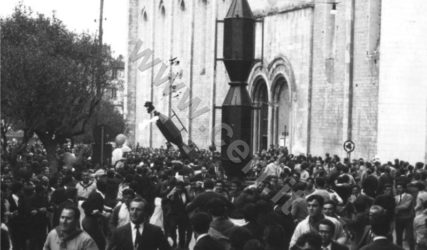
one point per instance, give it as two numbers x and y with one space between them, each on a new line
299 188
420 185
296 176
253 244
380 225
273 236
250 212
370 185
208 184
235 186
128 195
69 219
412 188
388 190
7 181
309 241
375 210
71 193
320 182
345 169
180 187
46 171
85 177
315 205
200 222
273 180
217 207
16 188
219 186
67 180
329 208
326 229
138 210
355 190
239 237
360 206
400 188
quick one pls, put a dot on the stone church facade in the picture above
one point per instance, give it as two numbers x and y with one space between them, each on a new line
327 72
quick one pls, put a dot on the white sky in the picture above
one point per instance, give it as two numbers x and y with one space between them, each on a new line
80 15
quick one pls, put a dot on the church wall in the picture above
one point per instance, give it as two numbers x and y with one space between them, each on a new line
402 114
327 114
331 78
143 77
307 45
366 70
130 72
288 35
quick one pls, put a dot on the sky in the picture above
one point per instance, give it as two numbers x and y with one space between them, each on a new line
82 16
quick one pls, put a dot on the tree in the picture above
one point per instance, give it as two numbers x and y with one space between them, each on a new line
106 115
50 78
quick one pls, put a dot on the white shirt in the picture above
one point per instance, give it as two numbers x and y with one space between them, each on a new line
304 227
16 199
201 236
141 229
328 247
83 190
380 238
183 198
273 169
123 216
117 154
99 192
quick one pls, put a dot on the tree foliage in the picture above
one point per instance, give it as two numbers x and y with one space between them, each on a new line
106 115
49 77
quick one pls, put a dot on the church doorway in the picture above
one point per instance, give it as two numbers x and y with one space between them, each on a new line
260 128
281 111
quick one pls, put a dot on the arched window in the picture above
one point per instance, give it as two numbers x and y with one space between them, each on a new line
144 14
181 4
162 8
281 112
260 128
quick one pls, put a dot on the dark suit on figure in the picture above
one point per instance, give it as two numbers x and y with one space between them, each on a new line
336 246
368 238
202 200
18 223
365 239
175 216
381 244
208 243
152 238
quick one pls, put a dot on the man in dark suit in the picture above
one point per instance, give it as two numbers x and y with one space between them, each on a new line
203 175
200 202
380 227
138 234
200 223
326 229
18 217
175 215
367 236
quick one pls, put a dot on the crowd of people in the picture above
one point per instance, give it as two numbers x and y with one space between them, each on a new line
155 199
